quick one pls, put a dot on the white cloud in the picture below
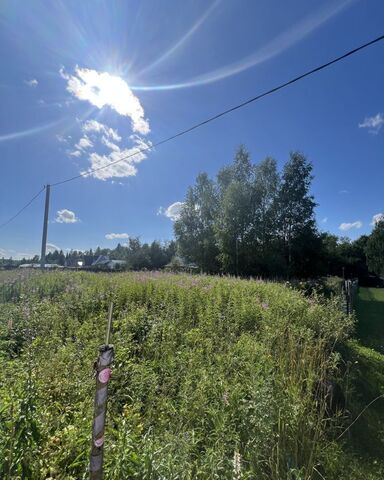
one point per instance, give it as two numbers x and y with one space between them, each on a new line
66 216
32 83
97 127
114 236
173 211
75 153
377 218
110 144
373 123
117 163
83 143
102 89
343 192
349 226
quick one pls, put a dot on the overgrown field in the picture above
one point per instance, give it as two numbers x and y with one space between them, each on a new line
214 378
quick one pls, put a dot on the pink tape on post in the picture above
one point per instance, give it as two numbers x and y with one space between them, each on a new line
105 375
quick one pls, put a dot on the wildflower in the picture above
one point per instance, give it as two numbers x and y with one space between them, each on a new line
236 465
265 305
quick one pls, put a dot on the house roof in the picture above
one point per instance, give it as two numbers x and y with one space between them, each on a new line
101 260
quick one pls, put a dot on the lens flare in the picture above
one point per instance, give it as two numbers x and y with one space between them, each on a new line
182 40
272 49
29 131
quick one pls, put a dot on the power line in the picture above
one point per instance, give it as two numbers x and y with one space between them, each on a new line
22 209
226 112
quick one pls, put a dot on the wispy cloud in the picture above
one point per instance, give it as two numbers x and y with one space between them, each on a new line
114 236
110 144
102 89
75 153
31 83
324 220
66 216
343 192
61 138
348 226
84 143
97 127
377 218
374 123
173 211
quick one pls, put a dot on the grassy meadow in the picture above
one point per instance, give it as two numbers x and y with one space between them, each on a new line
213 378
370 311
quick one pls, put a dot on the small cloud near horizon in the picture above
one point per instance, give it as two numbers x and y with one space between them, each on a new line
377 218
114 236
348 226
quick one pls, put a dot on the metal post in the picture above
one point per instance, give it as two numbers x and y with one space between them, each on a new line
103 374
45 227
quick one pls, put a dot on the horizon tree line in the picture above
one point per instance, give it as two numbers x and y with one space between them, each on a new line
250 220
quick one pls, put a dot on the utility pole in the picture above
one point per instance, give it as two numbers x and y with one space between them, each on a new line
45 227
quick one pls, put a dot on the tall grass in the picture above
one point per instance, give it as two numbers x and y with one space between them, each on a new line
213 378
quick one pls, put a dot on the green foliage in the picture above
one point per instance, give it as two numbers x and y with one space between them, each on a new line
252 220
195 228
213 378
375 249
365 386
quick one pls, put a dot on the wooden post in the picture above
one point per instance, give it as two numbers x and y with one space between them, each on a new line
103 374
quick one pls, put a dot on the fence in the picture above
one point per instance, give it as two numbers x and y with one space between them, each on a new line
349 294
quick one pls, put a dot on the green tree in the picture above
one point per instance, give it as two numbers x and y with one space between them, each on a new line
375 249
194 230
262 234
295 217
234 220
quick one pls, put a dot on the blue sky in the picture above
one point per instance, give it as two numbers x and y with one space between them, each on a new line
83 83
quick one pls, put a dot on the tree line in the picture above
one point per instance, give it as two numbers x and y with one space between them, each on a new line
253 220
250 220
137 255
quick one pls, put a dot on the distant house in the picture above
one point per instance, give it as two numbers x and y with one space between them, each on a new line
101 260
178 264
104 262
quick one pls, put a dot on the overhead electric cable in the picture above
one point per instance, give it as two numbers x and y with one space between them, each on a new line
22 209
225 112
